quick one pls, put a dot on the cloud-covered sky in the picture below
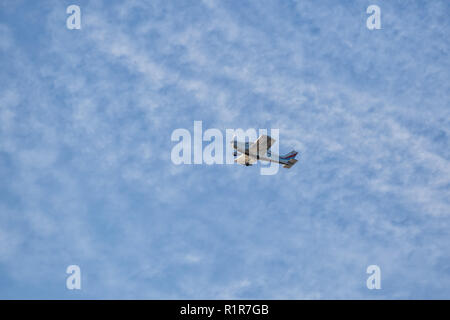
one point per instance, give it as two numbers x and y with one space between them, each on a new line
86 177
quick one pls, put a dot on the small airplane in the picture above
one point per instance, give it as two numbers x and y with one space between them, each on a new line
259 150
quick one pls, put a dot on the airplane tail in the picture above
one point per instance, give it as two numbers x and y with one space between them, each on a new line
289 159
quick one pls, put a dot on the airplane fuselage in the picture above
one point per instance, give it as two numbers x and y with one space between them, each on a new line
244 147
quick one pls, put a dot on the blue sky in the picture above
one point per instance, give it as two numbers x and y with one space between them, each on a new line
86 178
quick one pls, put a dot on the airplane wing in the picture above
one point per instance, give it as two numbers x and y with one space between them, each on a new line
261 145
245 159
